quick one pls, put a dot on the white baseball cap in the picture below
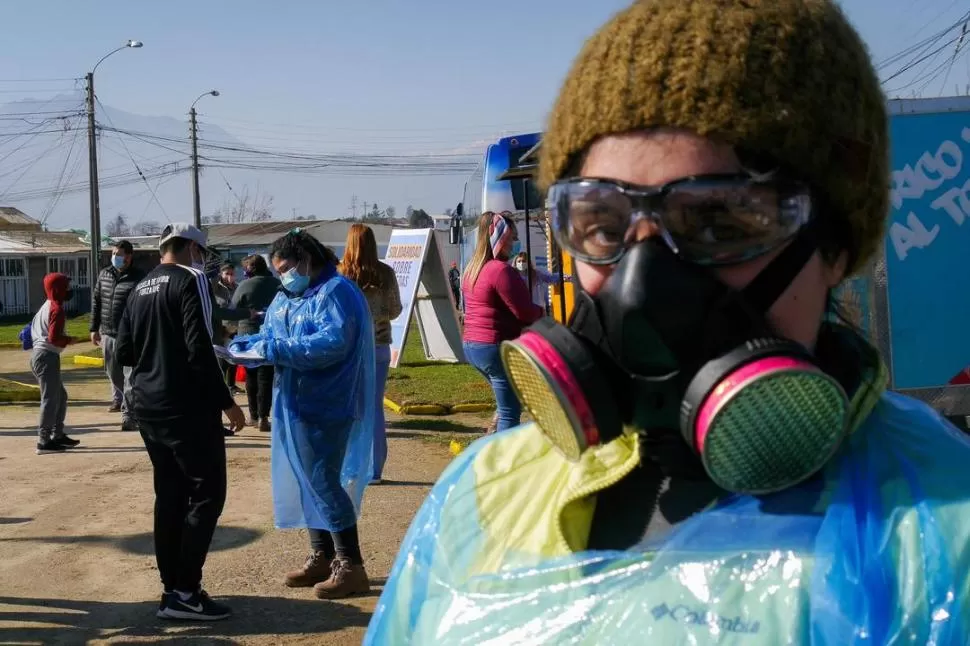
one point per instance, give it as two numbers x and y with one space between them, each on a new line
182 230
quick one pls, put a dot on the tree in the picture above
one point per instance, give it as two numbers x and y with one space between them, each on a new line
147 228
243 208
390 212
118 227
374 216
419 219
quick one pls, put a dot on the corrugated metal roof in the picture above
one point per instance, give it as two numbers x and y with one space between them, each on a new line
13 215
32 243
221 236
262 234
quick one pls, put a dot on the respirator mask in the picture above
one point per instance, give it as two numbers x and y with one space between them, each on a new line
665 346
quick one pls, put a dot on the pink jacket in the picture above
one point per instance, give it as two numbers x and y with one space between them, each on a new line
499 306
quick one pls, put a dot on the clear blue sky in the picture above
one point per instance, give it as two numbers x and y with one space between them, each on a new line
372 76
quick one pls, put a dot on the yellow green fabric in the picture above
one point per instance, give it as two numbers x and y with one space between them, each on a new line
875 552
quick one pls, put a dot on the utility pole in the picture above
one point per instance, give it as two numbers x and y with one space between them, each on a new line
196 200
94 264
353 206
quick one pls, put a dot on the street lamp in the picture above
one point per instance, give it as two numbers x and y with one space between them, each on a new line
194 130
95 261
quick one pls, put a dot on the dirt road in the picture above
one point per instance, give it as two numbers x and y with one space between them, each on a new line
76 564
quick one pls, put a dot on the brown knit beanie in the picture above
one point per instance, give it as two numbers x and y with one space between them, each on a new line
788 80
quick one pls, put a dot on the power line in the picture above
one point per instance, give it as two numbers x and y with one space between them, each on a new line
47 80
108 117
217 119
923 44
927 51
27 167
125 179
250 158
61 179
953 60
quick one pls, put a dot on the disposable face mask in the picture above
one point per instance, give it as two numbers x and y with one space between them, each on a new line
295 282
520 266
117 261
665 347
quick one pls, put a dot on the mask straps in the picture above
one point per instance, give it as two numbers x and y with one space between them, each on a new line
774 279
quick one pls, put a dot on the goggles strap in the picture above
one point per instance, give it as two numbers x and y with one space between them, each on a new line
774 279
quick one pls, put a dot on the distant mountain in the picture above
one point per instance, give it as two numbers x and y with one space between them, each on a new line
44 170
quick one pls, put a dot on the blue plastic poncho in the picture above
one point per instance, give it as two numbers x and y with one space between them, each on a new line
876 551
321 344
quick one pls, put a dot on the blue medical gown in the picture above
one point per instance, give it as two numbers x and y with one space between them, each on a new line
321 345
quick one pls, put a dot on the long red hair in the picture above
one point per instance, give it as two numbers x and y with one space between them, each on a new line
360 263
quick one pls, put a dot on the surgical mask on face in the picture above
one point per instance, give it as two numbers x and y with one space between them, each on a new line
520 265
117 261
295 282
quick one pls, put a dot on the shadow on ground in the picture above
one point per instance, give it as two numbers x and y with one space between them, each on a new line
69 375
433 424
403 483
78 622
225 538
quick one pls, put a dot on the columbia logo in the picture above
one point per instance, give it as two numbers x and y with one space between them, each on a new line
703 617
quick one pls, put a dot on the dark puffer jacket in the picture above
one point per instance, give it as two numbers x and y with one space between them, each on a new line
110 297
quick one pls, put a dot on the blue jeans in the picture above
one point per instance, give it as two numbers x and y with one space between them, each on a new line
382 354
485 357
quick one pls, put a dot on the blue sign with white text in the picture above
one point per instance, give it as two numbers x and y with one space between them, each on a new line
928 281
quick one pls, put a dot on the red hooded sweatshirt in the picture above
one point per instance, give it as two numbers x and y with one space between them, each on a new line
47 328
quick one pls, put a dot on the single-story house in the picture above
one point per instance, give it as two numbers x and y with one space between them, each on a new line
236 241
28 253
27 256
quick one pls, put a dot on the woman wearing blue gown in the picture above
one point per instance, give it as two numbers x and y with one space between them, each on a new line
319 338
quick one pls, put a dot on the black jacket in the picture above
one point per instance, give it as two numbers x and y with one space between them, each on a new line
166 336
110 296
255 293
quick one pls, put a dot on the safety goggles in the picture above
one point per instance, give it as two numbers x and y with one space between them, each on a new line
705 219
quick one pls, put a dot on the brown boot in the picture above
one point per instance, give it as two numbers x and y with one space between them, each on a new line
345 580
314 570
264 426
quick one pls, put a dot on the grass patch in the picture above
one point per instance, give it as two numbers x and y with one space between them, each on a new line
10 327
419 381
7 386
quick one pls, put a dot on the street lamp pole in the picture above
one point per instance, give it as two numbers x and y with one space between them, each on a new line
95 206
194 132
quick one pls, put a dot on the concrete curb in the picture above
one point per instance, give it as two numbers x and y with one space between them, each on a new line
435 409
81 360
26 392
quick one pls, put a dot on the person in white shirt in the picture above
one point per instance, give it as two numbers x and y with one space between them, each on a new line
541 280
